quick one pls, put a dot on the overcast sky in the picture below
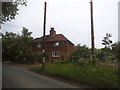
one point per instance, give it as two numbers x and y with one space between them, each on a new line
70 18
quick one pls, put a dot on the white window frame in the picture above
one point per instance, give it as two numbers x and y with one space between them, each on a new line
55 54
56 44
39 45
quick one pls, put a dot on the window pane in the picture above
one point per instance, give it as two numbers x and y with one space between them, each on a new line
56 44
55 54
38 44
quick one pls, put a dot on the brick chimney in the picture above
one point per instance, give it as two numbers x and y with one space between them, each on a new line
52 31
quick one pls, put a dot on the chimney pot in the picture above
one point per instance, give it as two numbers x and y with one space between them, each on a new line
52 31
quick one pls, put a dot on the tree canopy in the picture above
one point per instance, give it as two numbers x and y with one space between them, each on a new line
16 46
10 10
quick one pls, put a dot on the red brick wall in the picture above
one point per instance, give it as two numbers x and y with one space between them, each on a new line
64 49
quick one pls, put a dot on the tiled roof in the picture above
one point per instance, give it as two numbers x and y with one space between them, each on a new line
50 38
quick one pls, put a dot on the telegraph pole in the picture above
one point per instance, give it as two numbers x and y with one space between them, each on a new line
92 32
44 29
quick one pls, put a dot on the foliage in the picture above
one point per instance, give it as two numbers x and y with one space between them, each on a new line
7 45
100 54
10 10
82 52
96 76
116 50
16 47
25 32
105 56
84 61
110 53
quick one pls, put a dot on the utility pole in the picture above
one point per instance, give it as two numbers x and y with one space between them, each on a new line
92 32
44 29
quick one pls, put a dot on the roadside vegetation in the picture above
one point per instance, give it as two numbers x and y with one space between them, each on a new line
99 76
78 67
16 47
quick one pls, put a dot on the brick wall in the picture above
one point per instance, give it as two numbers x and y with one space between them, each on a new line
64 49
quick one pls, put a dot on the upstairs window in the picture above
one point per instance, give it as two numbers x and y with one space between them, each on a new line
55 54
39 45
56 44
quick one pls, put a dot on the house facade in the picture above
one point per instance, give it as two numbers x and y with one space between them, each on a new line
57 46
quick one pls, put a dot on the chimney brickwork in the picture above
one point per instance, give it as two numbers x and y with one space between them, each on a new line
52 32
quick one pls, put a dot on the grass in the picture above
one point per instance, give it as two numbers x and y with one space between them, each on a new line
96 76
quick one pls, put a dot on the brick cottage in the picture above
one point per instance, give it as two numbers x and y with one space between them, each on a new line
57 46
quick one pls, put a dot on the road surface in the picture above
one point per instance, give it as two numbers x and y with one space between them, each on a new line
13 77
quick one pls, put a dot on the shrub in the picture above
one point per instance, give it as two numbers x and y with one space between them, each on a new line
84 61
80 52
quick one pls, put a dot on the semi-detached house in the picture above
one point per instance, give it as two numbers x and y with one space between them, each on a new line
57 46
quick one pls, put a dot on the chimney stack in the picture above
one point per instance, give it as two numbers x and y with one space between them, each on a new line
52 31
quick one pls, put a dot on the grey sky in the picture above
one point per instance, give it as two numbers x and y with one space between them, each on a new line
70 18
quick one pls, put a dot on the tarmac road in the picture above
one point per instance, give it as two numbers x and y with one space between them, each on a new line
13 77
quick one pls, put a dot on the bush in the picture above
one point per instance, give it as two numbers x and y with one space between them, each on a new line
84 61
116 50
81 52
100 54
105 55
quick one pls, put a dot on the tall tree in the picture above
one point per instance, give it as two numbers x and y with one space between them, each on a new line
25 39
8 45
25 32
16 47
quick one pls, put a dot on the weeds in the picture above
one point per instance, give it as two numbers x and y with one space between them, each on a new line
97 76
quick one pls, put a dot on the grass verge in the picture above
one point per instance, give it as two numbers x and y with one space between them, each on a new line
99 76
